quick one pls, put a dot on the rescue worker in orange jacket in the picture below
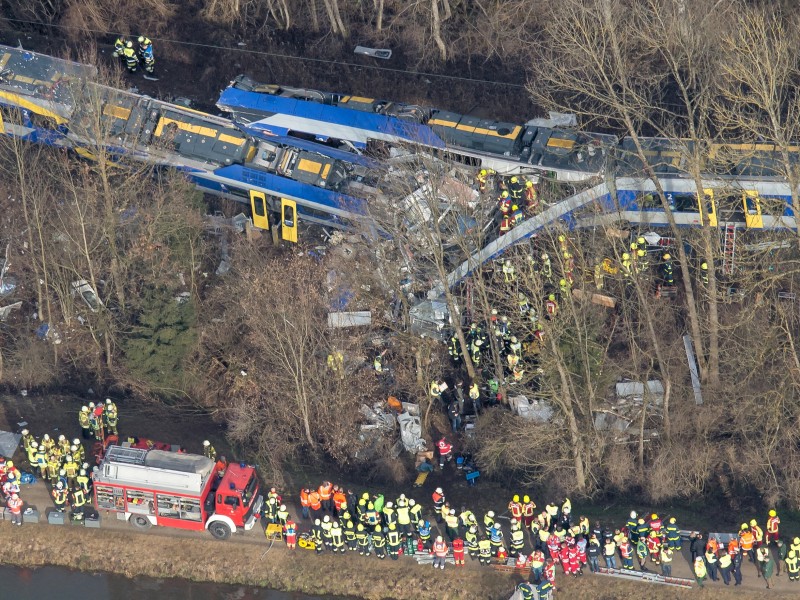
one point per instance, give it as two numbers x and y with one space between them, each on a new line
325 495
315 503
304 502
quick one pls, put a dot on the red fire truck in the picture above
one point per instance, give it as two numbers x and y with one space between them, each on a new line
157 487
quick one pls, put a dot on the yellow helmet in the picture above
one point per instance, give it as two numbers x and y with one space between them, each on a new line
672 520
626 256
654 516
526 498
633 246
552 297
562 282
514 179
504 195
744 526
516 497
528 184
641 240
561 238
772 513
483 172
753 523
667 256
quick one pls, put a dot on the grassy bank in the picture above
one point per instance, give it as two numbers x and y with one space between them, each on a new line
239 562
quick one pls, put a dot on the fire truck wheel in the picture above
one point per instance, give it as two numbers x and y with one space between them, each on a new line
220 530
141 522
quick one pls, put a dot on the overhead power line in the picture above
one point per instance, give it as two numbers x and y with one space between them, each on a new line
277 55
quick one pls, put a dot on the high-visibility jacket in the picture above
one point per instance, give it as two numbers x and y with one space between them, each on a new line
724 560
378 539
84 421
325 491
439 548
515 508
517 539
700 569
78 498
83 482
626 550
315 501
758 533
485 548
746 540
304 498
336 534
471 539
393 537
438 501
537 559
15 506
60 497
672 532
528 508
339 500
772 524
792 564
415 513
71 468
389 516
403 516
451 521
610 549
666 554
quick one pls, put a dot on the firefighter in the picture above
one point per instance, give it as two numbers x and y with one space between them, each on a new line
271 511
30 453
111 417
77 501
471 538
517 538
129 55
145 54
773 523
209 451
60 497
83 481
673 535
63 445
626 552
119 47
488 522
704 272
516 188
451 524
77 451
669 277
424 531
531 198
40 459
454 349
551 306
85 422
350 535
53 465
547 267
282 515
316 534
362 540
482 178
379 542
98 421
393 541
337 539
327 532
71 469
506 223
48 443
27 440
508 271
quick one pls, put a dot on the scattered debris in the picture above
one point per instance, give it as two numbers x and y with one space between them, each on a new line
337 320
635 390
411 432
6 310
83 288
534 410
430 318
373 52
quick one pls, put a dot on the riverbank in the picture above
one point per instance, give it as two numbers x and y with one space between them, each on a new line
160 554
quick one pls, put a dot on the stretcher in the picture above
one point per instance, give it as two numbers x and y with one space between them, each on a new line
421 477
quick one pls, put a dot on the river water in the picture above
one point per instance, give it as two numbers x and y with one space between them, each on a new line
64 584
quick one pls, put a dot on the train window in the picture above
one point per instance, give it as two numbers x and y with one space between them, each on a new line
648 201
751 205
288 216
683 202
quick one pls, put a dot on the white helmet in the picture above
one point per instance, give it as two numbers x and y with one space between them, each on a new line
34 444
73 448
283 507
633 514
389 505
490 514
61 438
327 519
439 491
25 432
83 473
206 443
438 538
402 496
412 502
84 409
69 458
108 400
46 436
91 404
15 496
76 441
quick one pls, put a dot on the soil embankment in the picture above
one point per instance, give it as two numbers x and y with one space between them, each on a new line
239 561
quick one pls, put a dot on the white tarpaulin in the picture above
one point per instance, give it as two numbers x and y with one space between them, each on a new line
411 432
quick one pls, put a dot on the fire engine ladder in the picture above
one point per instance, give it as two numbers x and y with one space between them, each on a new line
729 249
650 577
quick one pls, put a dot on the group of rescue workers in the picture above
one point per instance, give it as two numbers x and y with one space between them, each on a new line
134 57
518 197
63 463
534 540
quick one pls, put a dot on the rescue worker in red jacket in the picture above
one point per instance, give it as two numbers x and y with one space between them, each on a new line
458 552
654 547
773 523
439 552
291 534
515 508
563 556
528 511
574 559
445 451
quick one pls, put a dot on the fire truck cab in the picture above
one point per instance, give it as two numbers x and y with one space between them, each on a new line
156 487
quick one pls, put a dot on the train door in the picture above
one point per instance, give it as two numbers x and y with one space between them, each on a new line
258 205
708 204
752 210
289 220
